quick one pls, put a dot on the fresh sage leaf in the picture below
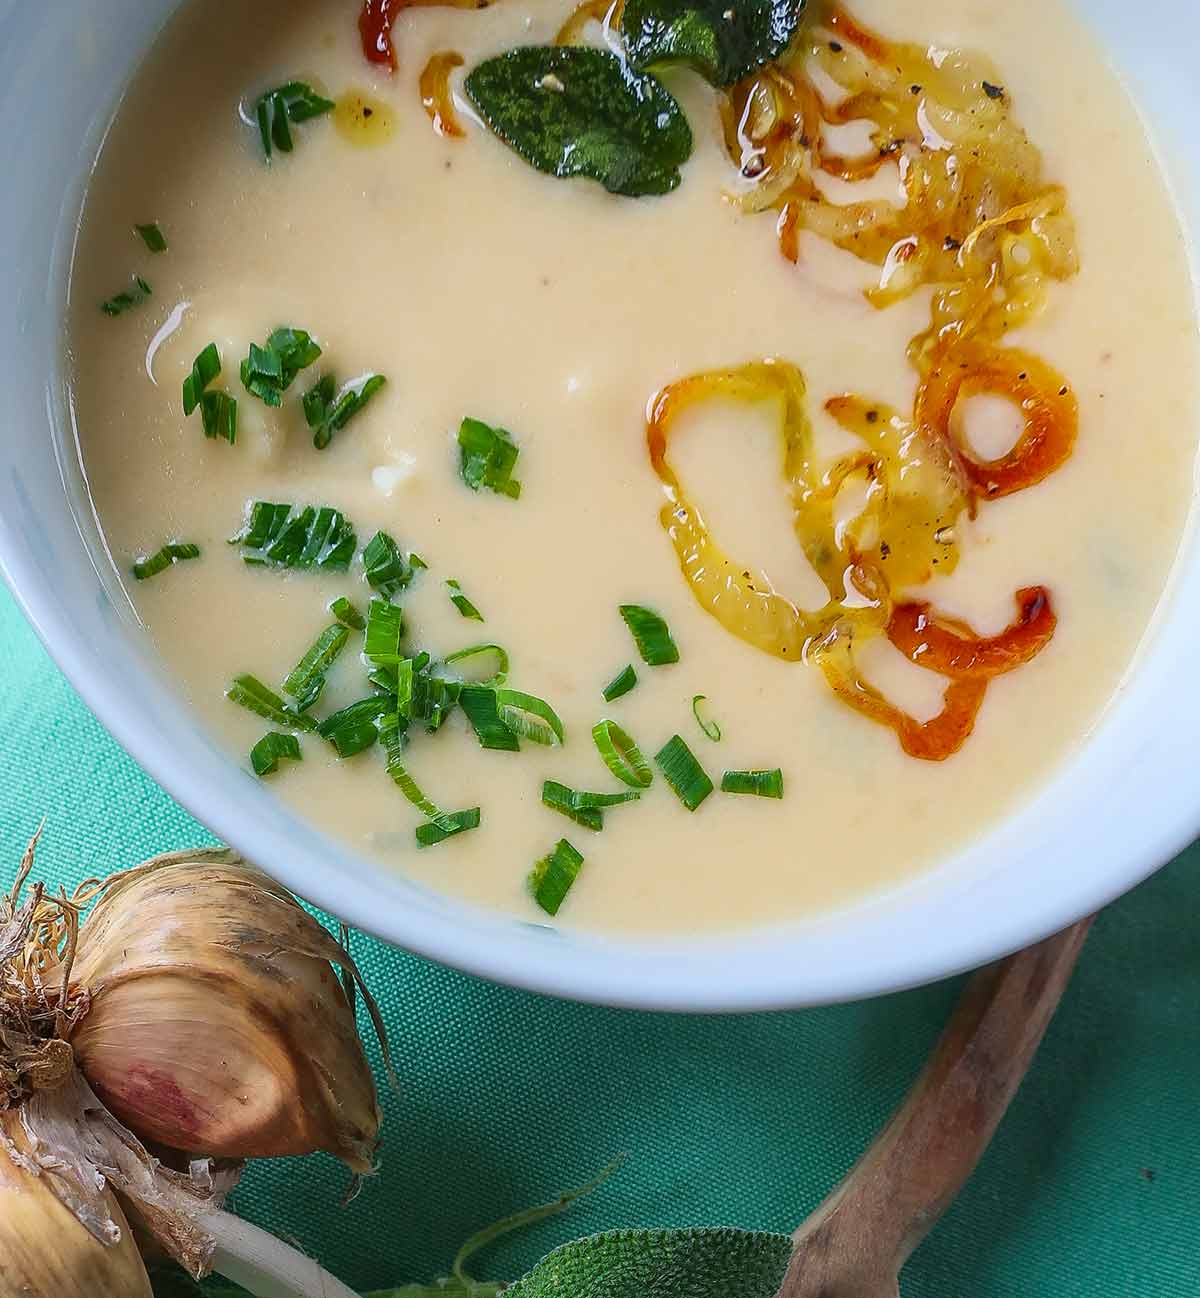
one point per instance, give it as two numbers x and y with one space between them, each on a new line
716 1263
572 111
724 40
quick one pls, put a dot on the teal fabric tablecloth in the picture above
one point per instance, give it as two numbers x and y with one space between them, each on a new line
1091 1188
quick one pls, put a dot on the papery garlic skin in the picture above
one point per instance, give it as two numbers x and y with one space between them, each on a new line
44 1251
218 1025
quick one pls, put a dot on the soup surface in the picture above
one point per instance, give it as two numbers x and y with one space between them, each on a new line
481 287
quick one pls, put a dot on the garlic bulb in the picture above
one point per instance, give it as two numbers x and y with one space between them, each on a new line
44 1251
217 1023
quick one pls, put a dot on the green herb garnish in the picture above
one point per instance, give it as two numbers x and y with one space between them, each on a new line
328 411
355 728
384 565
266 754
152 237
130 298
498 677
621 755
385 626
724 42
764 784
346 613
277 536
573 111
482 707
683 772
218 410
306 680
461 602
294 102
621 683
552 877
268 371
487 457
529 716
711 729
173 552
451 823
251 693
652 635
586 809
205 368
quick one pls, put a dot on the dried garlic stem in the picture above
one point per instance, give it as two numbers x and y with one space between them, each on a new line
264 1265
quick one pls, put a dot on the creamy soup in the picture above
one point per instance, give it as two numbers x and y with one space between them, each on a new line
728 405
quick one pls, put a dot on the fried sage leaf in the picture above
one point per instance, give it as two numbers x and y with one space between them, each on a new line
724 40
572 111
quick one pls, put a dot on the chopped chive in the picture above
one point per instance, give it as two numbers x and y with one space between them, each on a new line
355 728
652 635
394 741
763 784
347 614
621 755
294 102
586 809
461 602
683 772
218 416
252 694
482 707
529 716
498 677
205 368
266 754
328 411
552 877
277 536
173 552
487 457
621 683
711 729
307 679
385 627
268 371
415 560
135 296
152 237
385 566
454 822
433 698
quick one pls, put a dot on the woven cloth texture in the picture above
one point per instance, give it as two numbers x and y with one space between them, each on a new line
1089 1190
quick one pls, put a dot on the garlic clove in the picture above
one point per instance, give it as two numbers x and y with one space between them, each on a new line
217 1023
44 1251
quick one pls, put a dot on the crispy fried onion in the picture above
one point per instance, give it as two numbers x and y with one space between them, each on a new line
436 97
978 221
903 531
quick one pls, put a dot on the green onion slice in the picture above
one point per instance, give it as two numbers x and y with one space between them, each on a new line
294 102
621 683
152 237
394 741
621 755
454 822
531 717
268 371
763 784
205 368
652 635
385 627
275 536
328 411
252 694
481 704
355 727
347 613
498 677
683 772
553 876
585 809
385 567
219 416
265 756
122 302
147 566
309 673
487 457
711 729
461 602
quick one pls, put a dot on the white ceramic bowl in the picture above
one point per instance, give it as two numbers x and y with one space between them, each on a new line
1127 802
